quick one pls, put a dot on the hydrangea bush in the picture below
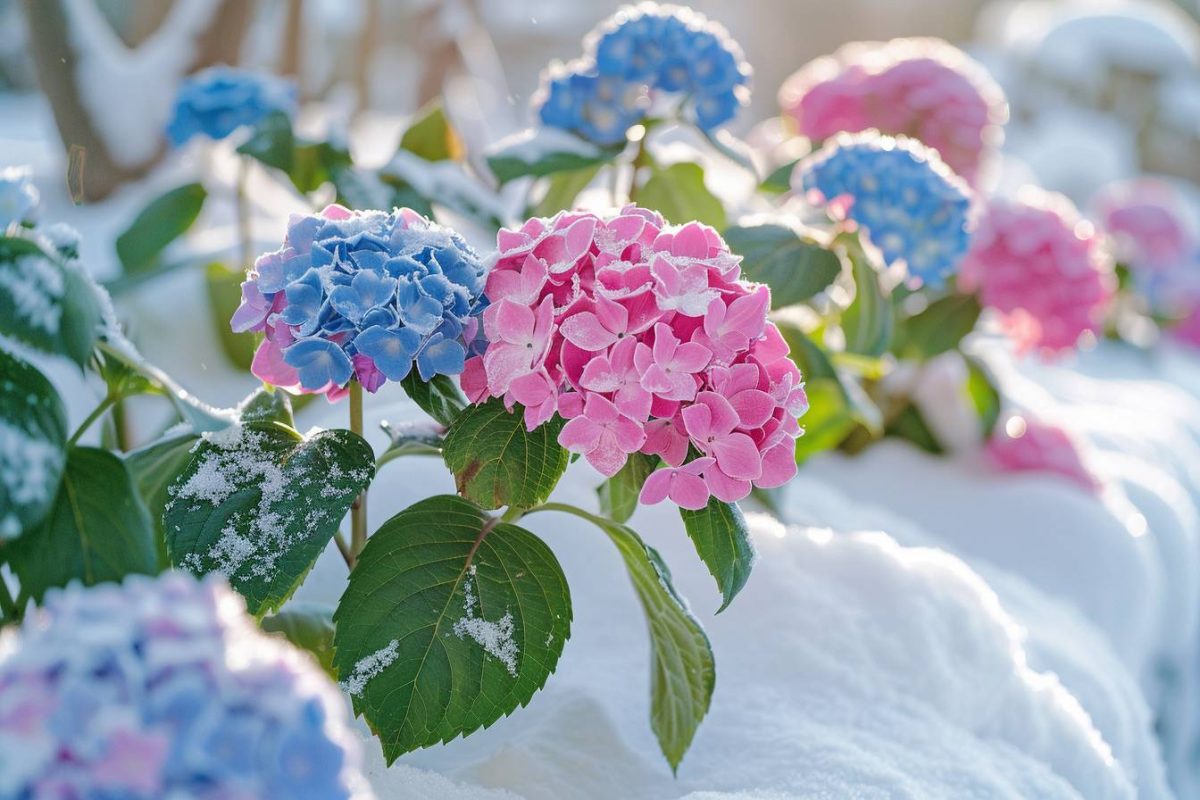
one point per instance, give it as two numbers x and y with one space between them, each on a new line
164 688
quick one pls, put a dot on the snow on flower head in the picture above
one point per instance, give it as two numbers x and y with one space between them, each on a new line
18 196
645 338
1024 444
643 55
912 207
217 101
923 88
163 687
1043 267
364 295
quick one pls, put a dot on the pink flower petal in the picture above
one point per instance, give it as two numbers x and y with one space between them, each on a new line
753 408
688 491
656 488
580 435
737 456
585 330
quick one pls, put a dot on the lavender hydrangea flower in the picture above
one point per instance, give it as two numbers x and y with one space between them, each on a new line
910 204
217 101
163 687
363 295
643 55
18 196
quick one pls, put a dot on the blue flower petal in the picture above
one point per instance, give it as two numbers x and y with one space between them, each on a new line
319 363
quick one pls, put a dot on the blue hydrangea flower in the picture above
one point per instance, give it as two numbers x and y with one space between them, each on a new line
18 196
363 295
911 206
217 101
164 687
641 56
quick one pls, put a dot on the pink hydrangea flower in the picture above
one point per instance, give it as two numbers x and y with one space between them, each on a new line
1043 267
645 339
926 89
1146 220
1024 444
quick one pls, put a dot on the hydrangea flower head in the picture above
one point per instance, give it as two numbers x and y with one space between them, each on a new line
645 339
911 206
1024 444
641 56
218 100
925 89
364 295
1043 267
164 687
18 196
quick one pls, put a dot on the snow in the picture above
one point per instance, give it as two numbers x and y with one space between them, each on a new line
27 464
369 666
129 93
448 182
494 637
533 144
36 287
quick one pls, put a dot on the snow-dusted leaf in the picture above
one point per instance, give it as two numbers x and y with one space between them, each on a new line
679 194
33 436
162 221
198 414
431 136
496 462
544 151
868 322
258 503
619 494
723 542
308 626
941 326
45 302
153 468
450 622
267 405
794 267
439 398
411 439
98 530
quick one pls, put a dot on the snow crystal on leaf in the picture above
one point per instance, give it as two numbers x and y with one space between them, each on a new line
494 637
368 667
36 288
26 465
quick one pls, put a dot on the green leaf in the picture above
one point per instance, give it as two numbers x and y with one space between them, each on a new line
431 136
829 419
317 163
308 626
562 190
984 395
198 414
868 322
794 267
224 296
97 531
723 542
450 622
545 151
780 179
938 328
910 425
682 667
273 142
154 467
410 439
439 398
267 405
259 503
33 437
164 220
619 494
46 301
122 380
679 194
496 462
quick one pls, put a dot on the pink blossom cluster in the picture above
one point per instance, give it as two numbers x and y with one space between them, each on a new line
1147 222
1043 267
645 339
926 89
1029 445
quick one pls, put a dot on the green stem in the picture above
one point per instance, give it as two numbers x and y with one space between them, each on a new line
512 514
569 509
97 412
358 511
246 255
640 159
343 548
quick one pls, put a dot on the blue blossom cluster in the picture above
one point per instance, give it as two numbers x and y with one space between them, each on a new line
164 687
217 101
638 55
910 204
364 295
18 196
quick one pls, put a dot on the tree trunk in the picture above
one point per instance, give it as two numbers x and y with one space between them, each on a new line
92 173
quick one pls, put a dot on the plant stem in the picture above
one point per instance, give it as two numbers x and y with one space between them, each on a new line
343 548
243 217
358 511
7 607
640 159
97 412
